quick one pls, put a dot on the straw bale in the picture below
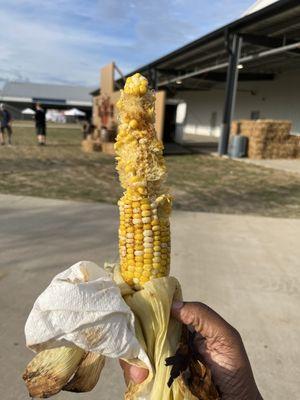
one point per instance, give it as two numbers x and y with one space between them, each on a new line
268 138
90 145
108 148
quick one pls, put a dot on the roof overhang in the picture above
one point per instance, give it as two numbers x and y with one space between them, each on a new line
45 101
271 45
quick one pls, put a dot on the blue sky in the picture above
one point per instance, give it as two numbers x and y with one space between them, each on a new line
67 41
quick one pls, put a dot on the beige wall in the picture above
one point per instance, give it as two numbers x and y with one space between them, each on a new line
276 99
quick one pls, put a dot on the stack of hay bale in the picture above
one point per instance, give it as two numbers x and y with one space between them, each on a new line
91 143
268 138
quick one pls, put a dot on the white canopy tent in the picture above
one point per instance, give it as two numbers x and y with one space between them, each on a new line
28 111
74 112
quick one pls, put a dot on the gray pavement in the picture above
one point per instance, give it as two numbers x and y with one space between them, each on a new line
290 165
247 268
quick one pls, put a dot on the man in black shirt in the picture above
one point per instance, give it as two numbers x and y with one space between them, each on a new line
40 124
5 124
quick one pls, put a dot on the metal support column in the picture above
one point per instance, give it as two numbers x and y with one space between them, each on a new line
153 74
230 93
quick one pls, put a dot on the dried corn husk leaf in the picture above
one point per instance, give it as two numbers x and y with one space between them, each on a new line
87 374
51 369
159 335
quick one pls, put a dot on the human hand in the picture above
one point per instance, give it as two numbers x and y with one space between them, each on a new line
222 350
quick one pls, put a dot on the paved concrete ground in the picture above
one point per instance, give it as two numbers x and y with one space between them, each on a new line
247 268
282 165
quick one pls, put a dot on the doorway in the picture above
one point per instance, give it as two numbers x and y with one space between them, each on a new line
170 123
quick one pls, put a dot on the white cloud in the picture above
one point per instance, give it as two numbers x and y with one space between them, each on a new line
69 40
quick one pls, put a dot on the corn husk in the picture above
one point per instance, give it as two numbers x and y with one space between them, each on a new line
87 374
50 370
160 335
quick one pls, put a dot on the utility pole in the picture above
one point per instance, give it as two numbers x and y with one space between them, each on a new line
230 92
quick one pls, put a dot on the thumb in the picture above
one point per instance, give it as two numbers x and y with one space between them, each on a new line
186 313
133 373
204 320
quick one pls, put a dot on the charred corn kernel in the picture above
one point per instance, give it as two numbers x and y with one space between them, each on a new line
144 234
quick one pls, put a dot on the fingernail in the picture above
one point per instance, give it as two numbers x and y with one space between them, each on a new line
177 305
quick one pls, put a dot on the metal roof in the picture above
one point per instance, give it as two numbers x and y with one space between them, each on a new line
269 28
259 4
46 93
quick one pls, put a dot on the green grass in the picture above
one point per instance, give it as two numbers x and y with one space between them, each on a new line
197 182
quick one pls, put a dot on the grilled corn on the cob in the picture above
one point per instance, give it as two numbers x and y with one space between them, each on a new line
144 234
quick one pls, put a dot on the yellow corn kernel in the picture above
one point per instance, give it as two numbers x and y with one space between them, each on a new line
148 256
144 237
146 213
148 250
139 265
146 274
133 124
143 279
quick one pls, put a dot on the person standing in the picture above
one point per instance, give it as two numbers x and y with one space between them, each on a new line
5 125
40 124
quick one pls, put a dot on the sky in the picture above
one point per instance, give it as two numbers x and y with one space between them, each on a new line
67 41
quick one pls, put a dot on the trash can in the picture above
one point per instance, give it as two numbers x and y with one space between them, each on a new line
239 146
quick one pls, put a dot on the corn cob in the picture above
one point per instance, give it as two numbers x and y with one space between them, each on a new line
144 233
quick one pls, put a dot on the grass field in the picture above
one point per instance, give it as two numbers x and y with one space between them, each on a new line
198 182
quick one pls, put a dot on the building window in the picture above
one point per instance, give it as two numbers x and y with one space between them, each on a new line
255 115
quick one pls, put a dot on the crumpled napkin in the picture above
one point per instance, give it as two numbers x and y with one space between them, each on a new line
83 306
